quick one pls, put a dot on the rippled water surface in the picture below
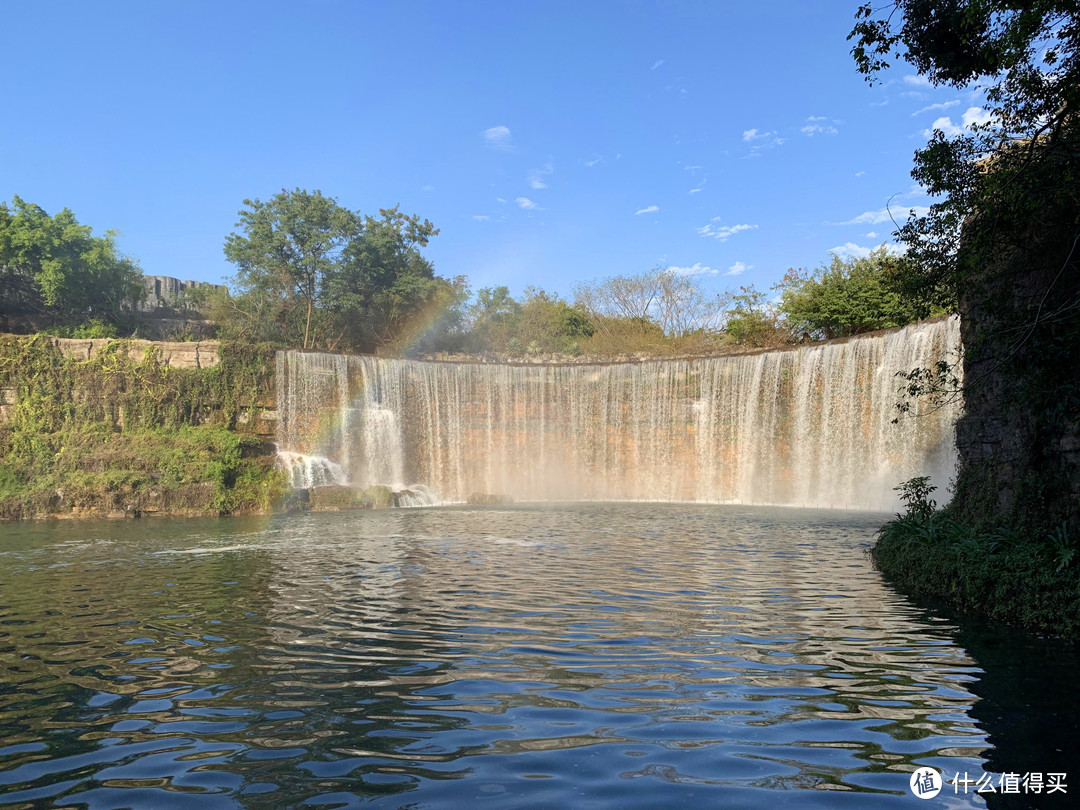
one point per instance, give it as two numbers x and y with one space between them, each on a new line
581 656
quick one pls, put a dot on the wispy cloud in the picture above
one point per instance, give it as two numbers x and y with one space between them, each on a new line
697 269
872 235
657 64
760 141
594 161
819 125
481 217
941 105
723 232
882 215
916 80
498 138
859 174
499 199
652 209
850 250
537 176
527 204
738 269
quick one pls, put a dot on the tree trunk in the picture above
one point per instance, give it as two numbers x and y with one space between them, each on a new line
307 325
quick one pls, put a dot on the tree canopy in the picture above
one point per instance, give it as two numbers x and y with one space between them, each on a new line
291 245
1024 55
846 297
54 268
314 273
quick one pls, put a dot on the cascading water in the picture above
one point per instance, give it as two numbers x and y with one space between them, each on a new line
808 426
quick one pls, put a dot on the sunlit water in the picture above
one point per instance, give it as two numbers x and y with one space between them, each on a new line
582 656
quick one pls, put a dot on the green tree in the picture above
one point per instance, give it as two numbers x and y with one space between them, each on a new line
846 298
550 323
1024 54
753 320
54 267
384 292
493 319
290 245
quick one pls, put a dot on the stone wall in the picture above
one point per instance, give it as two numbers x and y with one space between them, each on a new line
176 354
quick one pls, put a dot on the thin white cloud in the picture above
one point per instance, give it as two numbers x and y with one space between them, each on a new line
652 209
657 64
593 162
859 174
760 141
812 118
697 269
810 130
498 138
723 232
941 105
692 169
738 269
916 80
481 217
883 215
527 204
872 235
850 250
499 199
537 176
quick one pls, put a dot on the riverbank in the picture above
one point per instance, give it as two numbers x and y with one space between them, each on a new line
1004 576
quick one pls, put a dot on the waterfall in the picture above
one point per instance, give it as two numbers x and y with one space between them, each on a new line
806 426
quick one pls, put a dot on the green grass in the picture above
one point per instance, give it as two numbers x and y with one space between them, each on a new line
1009 577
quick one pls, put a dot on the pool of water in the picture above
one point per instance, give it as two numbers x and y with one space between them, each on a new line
594 655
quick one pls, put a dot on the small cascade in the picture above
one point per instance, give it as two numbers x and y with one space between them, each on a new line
311 471
809 426
415 496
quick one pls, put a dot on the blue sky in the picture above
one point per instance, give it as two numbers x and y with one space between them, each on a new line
551 142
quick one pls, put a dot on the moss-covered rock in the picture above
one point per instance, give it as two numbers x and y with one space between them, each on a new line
115 435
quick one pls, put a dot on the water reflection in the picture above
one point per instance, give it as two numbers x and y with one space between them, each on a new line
625 655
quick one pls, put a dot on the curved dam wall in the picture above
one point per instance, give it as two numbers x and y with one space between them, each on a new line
810 426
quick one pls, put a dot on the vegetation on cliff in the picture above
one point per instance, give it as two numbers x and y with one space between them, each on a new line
116 435
1002 242
1008 575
